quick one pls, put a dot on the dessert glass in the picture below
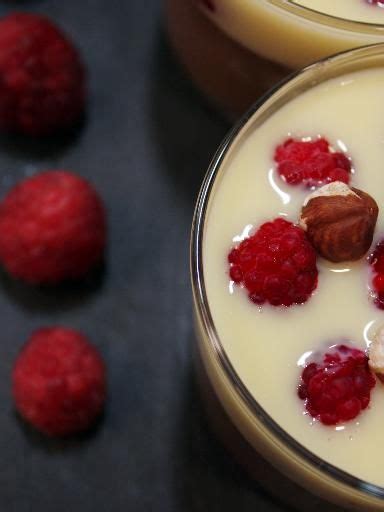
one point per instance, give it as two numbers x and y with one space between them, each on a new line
222 385
234 50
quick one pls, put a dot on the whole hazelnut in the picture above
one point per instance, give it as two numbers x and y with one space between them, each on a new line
339 221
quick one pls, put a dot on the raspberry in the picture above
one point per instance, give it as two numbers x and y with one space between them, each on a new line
42 78
52 228
338 387
376 261
59 381
311 163
276 264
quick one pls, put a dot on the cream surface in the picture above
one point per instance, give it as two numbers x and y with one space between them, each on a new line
266 346
357 10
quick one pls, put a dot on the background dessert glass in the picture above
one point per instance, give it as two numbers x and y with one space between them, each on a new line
254 425
234 50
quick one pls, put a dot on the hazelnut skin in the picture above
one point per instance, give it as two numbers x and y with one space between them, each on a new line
340 221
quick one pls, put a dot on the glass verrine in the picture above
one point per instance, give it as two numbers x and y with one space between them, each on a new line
249 411
234 50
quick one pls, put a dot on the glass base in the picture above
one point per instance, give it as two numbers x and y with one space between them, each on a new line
226 72
275 483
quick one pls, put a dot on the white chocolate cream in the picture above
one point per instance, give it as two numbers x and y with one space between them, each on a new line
267 346
293 35
356 10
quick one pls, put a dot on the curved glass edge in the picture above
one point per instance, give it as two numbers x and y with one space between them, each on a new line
300 80
328 19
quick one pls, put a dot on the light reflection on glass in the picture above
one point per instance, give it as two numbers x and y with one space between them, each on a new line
343 83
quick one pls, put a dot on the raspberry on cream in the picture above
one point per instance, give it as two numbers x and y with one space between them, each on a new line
276 264
338 386
311 162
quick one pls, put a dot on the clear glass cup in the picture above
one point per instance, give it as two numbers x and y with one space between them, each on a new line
251 422
234 50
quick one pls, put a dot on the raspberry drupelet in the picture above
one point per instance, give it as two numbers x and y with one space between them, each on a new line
376 261
276 264
59 382
52 228
338 387
311 163
42 77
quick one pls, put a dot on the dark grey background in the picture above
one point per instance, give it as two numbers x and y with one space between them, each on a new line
145 144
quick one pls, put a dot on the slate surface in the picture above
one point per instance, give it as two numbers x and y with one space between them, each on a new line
145 144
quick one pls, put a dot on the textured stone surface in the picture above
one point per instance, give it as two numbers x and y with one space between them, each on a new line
145 145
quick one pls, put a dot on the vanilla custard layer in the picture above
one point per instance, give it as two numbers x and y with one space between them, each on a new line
356 10
266 345
296 39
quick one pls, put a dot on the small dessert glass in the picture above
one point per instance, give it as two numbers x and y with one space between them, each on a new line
235 414
235 50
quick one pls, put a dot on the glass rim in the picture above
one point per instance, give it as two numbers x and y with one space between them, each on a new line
202 308
327 19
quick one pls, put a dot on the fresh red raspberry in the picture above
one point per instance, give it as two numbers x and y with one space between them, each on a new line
376 261
52 228
42 78
338 387
276 264
59 381
311 163
379 3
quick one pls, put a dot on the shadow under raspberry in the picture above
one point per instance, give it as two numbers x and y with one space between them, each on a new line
42 148
59 444
61 297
